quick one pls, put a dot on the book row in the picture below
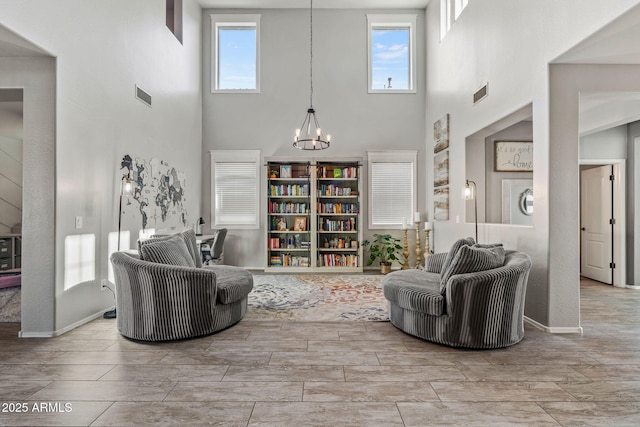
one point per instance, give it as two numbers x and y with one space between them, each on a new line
288 207
287 260
339 225
338 260
337 208
334 172
289 190
328 190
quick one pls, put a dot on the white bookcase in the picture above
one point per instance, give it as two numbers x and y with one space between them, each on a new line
314 215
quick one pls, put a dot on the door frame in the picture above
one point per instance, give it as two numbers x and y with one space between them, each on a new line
619 213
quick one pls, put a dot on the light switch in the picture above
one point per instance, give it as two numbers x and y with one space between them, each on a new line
78 222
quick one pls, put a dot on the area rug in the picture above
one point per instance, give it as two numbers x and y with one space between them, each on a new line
317 297
10 304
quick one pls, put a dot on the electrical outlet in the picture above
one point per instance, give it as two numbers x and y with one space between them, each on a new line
457 219
103 285
78 222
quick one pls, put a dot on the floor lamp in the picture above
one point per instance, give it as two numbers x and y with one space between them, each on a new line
126 185
470 194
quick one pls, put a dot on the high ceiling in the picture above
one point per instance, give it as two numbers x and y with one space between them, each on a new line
319 4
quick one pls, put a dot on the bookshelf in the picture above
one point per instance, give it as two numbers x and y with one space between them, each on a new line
314 220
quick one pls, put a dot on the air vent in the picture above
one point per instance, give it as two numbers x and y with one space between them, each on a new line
143 96
480 94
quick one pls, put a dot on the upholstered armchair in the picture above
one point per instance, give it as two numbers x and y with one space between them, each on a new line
471 297
162 294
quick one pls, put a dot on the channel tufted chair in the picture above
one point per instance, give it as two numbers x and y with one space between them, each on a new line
164 293
471 297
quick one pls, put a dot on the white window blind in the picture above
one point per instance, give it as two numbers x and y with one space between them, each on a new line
235 184
392 188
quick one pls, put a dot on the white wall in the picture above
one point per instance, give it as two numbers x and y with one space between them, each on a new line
356 120
102 50
511 48
607 144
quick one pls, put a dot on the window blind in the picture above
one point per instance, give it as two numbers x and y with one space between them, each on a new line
392 192
235 190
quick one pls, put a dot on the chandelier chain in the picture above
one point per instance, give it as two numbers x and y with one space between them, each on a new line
311 54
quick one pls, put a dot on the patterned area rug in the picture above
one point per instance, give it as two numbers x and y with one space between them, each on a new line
317 297
10 304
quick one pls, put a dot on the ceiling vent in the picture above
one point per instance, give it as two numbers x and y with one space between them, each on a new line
480 94
143 96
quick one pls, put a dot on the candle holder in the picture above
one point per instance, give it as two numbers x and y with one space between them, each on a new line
405 245
427 249
418 249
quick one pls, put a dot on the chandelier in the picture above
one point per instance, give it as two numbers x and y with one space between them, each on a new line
309 136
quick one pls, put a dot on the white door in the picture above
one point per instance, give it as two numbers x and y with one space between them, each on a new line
596 211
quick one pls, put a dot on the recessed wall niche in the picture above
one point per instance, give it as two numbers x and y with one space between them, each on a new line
504 194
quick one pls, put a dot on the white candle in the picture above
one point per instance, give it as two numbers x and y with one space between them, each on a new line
417 217
427 225
404 222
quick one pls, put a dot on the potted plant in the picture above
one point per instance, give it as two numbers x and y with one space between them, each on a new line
273 173
384 248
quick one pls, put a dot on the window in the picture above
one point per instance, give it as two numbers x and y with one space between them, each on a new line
392 187
174 17
235 181
235 53
391 48
450 10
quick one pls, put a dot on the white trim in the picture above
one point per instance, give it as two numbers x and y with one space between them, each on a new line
632 287
554 329
52 334
241 20
393 21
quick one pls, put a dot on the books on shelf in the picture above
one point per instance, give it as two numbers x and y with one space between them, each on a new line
339 225
288 260
338 260
328 190
337 172
289 190
288 207
337 208
313 214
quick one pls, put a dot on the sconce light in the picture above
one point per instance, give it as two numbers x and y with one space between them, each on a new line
470 194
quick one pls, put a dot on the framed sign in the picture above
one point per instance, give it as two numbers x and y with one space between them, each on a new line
514 156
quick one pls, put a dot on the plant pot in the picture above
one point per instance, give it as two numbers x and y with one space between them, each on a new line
385 268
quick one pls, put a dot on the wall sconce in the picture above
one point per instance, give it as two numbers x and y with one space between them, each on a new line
470 194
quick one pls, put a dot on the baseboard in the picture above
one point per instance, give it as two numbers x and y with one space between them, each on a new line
554 329
23 334
632 287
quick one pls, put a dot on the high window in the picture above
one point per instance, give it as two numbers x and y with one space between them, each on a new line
235 53
391 51
174 17
450 10
392 187
235 183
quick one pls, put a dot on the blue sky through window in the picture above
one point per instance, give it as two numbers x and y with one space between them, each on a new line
237 58
390 58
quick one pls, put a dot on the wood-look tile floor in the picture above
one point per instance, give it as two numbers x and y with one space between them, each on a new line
333 374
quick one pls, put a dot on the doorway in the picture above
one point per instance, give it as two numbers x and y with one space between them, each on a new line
602 222
11 161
